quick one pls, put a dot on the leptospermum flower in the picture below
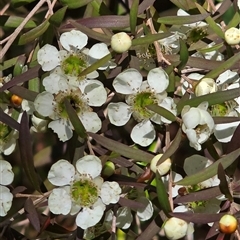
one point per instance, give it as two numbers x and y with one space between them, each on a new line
6 178
74 58
198 124
81 190
139 94
52 105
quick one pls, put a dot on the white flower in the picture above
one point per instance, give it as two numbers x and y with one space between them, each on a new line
198 124
121 42
81 191
205 86
52 106
6 178
74 59
139 94
232 36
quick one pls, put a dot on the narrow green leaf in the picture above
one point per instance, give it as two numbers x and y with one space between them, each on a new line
18 67
162 111
180 20
184 4
162 195
211 170
210 49
5 118
34 33
73 4
96 65
9 63
211 22
148 39
91 33
212 98
77 124
223 186
122 149
133 15
14 22
19 3
26 154
57 18
224 66
234 21
183 55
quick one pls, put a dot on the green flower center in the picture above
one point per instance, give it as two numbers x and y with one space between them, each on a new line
73 65
223 109
85 192
140 102
75 100
196 34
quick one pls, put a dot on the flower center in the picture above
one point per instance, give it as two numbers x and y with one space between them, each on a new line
140 101
201 128
85 192
75 100
73 65
223 109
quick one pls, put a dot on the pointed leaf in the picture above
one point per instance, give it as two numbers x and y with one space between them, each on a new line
26 152
122 149
57 18
133 15
211 170
183 55
162 195
14 22
32 214
77 124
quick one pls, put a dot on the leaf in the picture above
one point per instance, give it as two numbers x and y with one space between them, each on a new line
77 124
234 21
73 4
23 93
183 55
133 15
34 33
32 214
18 67
122 149
14 22
162 112
5 118
19 3
180 20
26 154
150 38
184 4
199 218
212 98
210 171
223 186
162 195
57 18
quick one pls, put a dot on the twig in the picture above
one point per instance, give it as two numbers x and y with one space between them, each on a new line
4 9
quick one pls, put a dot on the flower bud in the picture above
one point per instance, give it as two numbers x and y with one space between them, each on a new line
175 228
232 36
205 86
228 224
163 168
16 100
108 169
121 42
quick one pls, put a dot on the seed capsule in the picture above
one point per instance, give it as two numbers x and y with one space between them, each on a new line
228 224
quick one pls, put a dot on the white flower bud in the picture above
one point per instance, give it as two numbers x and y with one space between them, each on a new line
121 42
232 36
163 168
228 224
205 86
175 228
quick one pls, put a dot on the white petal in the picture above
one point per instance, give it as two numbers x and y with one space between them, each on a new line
143 133
44 104
110 192
89 217
98 51
28 106
146 212
119 113
59 201
124 218
62 128
192 137
5 200
158 79
128 82
91 122
61 173
75 208
95 93
55 83
48 57
90 165
191 118
73 39
6 173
